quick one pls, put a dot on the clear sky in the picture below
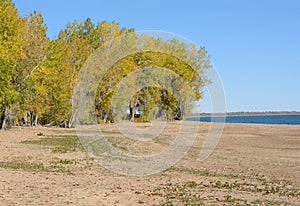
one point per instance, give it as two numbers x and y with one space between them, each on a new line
254 44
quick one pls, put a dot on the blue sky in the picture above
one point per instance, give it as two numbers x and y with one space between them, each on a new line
254 45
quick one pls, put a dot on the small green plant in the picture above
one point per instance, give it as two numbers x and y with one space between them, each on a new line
40 134
64 161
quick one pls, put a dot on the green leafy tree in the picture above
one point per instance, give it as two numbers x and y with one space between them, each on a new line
66 55
36 50
11 44
189 64
37 76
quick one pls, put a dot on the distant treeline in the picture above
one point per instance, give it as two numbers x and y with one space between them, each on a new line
250 113
37 74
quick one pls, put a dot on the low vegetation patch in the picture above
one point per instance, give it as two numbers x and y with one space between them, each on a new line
33 166
56 165
59 144
195 193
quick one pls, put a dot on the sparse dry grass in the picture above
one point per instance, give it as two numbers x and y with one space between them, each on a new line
252 165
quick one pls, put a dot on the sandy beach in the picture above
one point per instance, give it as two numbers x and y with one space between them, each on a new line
252 164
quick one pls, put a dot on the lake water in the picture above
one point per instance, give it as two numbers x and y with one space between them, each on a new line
261 119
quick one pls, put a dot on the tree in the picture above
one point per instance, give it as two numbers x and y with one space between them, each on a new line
37 76
11 43
189 64
36 51
66 55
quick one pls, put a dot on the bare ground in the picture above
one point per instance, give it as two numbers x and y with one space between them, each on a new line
252 165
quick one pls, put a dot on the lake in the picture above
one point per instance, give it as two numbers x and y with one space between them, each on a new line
259 119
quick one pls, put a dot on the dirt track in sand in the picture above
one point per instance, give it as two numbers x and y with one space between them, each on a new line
252 164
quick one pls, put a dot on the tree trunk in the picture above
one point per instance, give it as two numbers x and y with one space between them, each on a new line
5 118
25 117
133 102
36 119
70 121
33 118
131 111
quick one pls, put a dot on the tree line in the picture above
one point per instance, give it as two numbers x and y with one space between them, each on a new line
38 74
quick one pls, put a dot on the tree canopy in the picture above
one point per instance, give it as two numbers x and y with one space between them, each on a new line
37 74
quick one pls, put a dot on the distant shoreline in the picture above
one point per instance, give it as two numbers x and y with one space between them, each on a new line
248 113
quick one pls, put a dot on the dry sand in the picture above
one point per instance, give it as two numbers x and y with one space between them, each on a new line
252 164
